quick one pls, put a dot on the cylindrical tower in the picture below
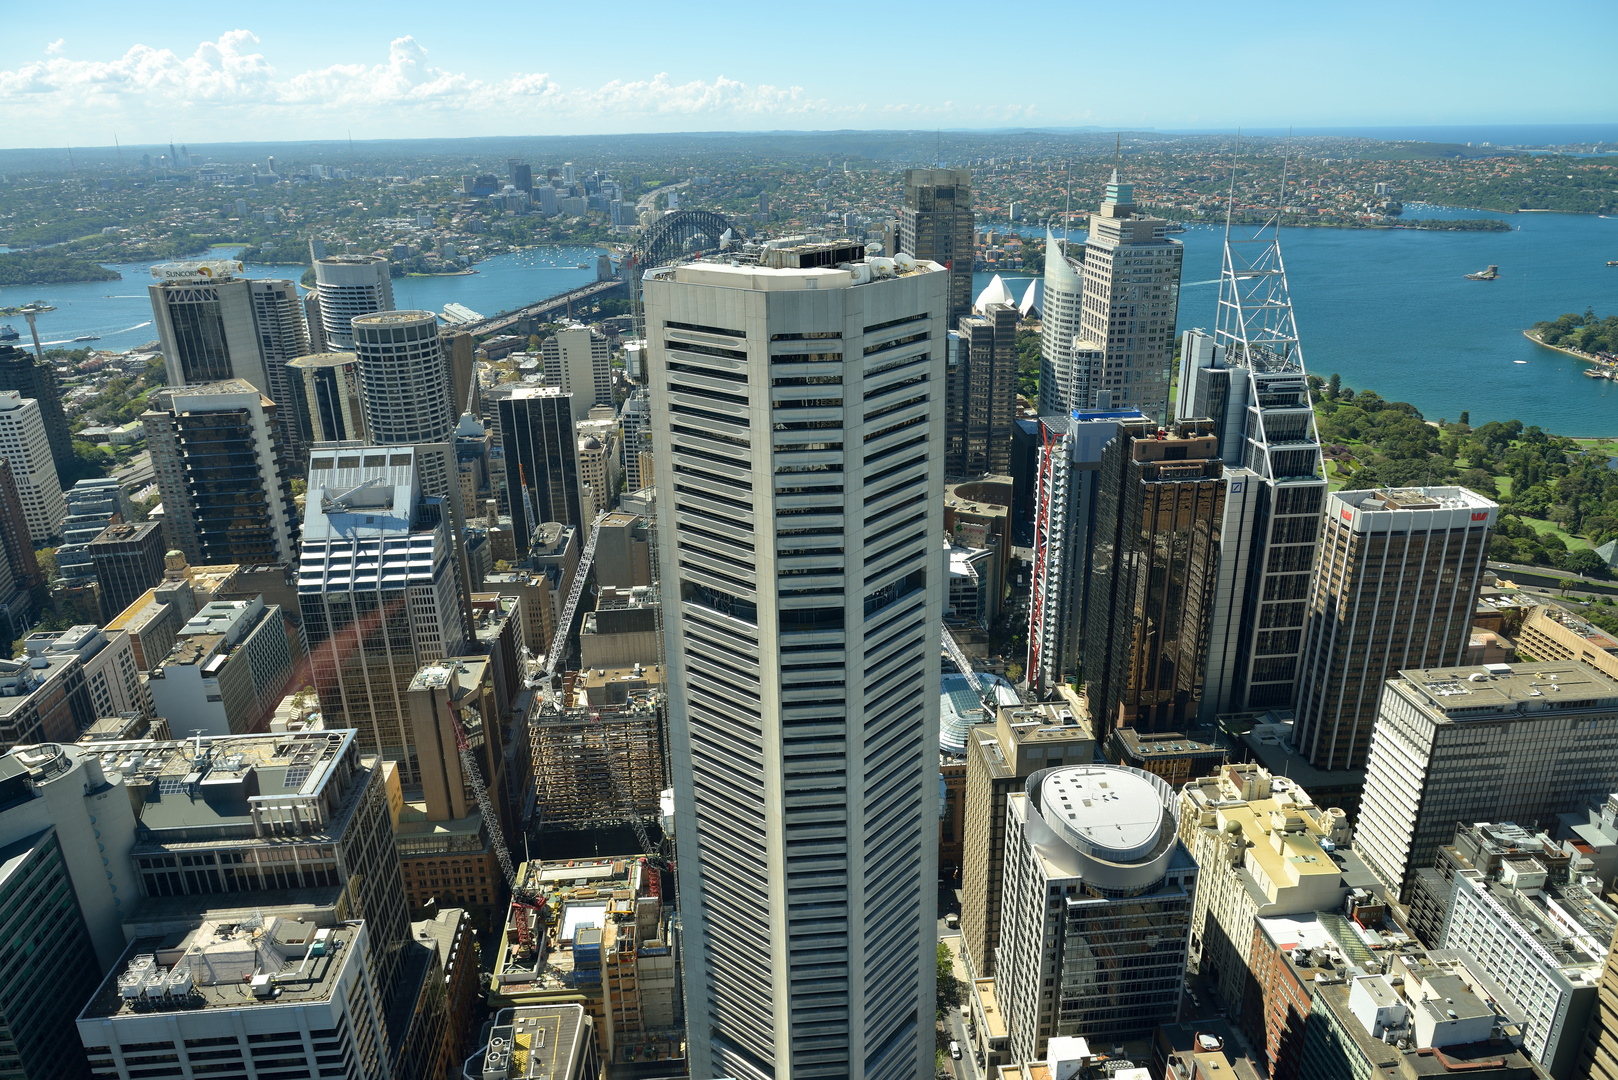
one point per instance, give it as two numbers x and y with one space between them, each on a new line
350 286
404 380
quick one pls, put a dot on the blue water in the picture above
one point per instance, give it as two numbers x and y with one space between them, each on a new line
1390 310
120 312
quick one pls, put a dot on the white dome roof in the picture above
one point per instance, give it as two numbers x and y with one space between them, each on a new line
995 293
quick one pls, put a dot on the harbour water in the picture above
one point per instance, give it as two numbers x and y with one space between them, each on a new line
1387 309
1390 310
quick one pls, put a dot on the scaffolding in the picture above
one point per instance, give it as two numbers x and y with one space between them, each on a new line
594 766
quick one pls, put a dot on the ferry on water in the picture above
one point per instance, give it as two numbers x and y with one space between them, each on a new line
7 333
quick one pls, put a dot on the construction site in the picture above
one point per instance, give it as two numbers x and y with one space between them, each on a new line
596 932
598 758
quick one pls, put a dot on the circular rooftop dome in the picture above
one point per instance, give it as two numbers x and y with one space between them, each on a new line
592 443
1107 813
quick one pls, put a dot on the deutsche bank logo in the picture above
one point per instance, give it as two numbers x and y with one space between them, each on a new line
1237 486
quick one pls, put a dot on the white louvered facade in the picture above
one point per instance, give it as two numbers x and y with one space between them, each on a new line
797 420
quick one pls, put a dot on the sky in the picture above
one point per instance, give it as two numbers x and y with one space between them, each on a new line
88 72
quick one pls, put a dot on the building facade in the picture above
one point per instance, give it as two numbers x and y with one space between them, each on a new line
1091 860
1397 582
1519 742
797 424
20 371
578 362
1154 557
350 286
26 445
404 378
936 224
542 461
207 324
129 561
376 588
981 394
325 397
227 495
998 764
1067 353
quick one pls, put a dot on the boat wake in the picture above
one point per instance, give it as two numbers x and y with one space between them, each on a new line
109 333
1188 284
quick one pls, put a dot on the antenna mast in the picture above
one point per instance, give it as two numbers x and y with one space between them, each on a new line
1255 326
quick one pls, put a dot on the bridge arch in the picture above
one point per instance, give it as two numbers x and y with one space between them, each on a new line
678 235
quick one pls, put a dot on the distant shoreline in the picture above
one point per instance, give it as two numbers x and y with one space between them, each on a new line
1533 335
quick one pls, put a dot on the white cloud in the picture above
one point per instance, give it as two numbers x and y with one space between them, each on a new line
55 47
229 90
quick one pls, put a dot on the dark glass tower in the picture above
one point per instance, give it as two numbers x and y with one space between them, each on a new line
936 223
542 460
1154 556
982 394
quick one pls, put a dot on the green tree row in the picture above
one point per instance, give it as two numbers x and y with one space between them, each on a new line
1588 332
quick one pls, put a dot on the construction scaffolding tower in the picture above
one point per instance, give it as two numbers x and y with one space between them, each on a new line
596 765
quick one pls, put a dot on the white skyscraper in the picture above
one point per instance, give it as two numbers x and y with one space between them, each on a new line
349 286
1124 343
798 437
23 440
578 361
1061 333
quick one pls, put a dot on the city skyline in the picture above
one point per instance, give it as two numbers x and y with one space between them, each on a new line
166 74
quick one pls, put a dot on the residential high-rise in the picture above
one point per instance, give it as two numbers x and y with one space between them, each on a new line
1131 298
1065 501
325 393
24 443
981 393
227 496
1502 742
283 336
129 560
22 372
999 761
936 223
14 531
350 286
311 319
542 461
797 427
1067 354
636 421
1155 551
599 472
578 362
1096 910
376 588
1257 394
1395 588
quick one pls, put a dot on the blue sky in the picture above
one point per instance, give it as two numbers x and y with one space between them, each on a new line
79 73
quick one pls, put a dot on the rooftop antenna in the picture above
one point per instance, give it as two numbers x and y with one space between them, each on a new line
119 148
938 149
1117 154
351 163
1067 215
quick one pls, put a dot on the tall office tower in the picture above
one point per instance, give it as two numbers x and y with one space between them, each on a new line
216 450
1395 588
982 394
1067 354
311 319
1250 380
999 761
14 530
460 349
1159 505
207 323
55 972
521 173
936 224
636 420
325 392
129 560
1131 299
798 435
404 380
350 286
542 461
31 378
377 592
1524 742
578 362
24 443
1065 501
283 336
1092 860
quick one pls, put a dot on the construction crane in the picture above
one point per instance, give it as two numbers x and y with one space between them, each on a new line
491 818
953 647
553 659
